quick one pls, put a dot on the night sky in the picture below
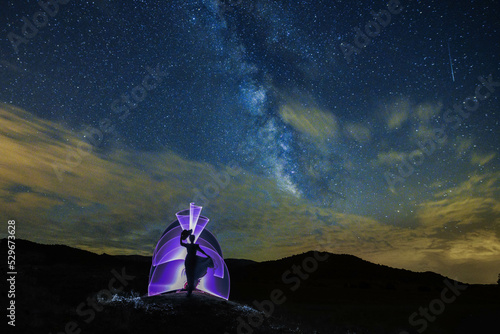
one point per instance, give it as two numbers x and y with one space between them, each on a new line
362 127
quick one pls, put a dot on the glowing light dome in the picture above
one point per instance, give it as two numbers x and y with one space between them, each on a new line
167 270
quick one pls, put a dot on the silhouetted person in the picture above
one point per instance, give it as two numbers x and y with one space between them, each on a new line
196 266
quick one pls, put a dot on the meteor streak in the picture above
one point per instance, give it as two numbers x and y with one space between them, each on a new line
451 63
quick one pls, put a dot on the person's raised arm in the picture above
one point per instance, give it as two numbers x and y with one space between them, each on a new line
182 243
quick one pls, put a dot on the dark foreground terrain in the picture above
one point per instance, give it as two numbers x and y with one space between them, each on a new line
65 290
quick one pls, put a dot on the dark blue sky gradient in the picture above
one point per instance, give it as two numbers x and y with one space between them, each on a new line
266 84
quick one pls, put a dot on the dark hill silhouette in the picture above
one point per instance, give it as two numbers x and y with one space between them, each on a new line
343 293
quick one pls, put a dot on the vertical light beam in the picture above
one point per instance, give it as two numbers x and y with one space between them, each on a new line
194 214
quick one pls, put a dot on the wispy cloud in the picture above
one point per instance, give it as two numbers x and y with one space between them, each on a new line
310 121
396 113
359 132
389 159
482 159
461 146
120 203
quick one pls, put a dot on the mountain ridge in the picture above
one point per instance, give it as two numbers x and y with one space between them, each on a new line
64 252
318 293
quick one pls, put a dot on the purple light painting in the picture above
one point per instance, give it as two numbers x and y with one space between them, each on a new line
167 272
